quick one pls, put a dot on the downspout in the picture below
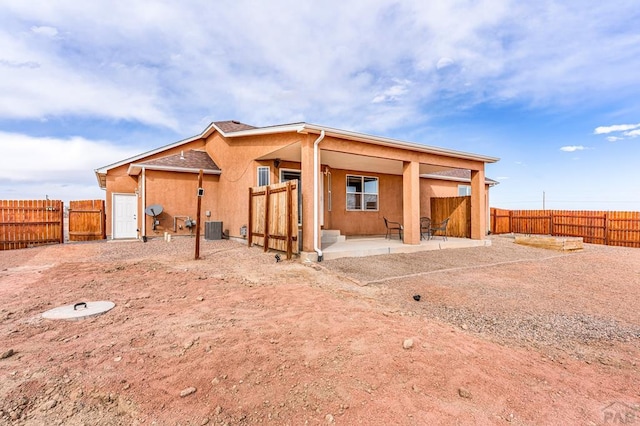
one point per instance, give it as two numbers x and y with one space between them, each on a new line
315 195
144 204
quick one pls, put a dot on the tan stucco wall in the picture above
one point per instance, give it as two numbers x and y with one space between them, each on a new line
362 222
240 172
177 194
119 182
227 195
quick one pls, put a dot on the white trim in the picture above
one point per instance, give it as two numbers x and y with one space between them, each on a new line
288 170
299 172
144 201
316 171
360 137
363 193
456 179
467 189
135 169
378 140
262 168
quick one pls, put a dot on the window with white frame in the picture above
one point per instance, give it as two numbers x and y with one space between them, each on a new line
263 175
464 190
362 193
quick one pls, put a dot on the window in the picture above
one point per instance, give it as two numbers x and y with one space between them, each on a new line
362 193
464 190
263 176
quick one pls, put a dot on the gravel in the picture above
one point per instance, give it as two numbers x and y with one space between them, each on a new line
513 293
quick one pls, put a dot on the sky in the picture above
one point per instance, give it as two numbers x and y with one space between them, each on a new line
552 88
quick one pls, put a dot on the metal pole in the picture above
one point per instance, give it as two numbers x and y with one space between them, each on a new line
199 193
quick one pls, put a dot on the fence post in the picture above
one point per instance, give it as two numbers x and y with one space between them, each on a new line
61 222
492 218
267 201
250 222
551 223
288 224
606 230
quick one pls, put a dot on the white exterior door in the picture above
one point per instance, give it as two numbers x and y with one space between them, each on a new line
125 216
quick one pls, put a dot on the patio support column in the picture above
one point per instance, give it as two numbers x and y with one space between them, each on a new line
411 201
306 175
478 205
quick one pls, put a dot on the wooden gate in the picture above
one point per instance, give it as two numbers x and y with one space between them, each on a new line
87 220
458 210
29 223
273 217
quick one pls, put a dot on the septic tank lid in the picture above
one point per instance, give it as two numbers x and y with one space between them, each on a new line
79 310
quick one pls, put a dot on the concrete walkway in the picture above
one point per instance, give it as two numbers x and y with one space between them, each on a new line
371 246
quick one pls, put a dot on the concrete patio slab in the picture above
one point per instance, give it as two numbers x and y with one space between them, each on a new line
372 246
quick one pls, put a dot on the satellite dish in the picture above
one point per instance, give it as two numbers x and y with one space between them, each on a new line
153 210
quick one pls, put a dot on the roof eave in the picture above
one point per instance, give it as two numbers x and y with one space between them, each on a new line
102 179
286 128
135 169
487 181
379 140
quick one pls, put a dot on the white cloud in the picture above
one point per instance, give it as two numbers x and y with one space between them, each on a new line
633 133
46 31
614 138
36 159
444 63
394 92
374 66
615 128
322 63
573 148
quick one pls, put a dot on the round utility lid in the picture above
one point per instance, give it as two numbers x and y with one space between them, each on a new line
153 210
79 310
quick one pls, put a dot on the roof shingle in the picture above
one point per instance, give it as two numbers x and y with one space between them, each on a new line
192 159
233 126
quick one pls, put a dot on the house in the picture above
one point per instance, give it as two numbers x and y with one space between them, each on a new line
348 181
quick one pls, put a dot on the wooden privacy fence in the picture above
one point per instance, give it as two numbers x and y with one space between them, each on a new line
458 210
596 227
28 223
273 217
87 220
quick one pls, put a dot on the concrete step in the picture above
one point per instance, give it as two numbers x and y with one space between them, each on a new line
331 236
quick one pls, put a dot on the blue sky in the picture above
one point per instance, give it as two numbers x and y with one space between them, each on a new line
550 87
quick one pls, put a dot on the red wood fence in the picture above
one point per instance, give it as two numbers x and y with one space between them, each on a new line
458 210
597 227
273 217
28 223
87 220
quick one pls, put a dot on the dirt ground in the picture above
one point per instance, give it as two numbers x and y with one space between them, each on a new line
504 334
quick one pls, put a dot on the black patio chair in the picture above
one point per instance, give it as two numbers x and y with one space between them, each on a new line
441 227
425 228
392 227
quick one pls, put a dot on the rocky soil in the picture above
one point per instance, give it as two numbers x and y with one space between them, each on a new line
500 334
